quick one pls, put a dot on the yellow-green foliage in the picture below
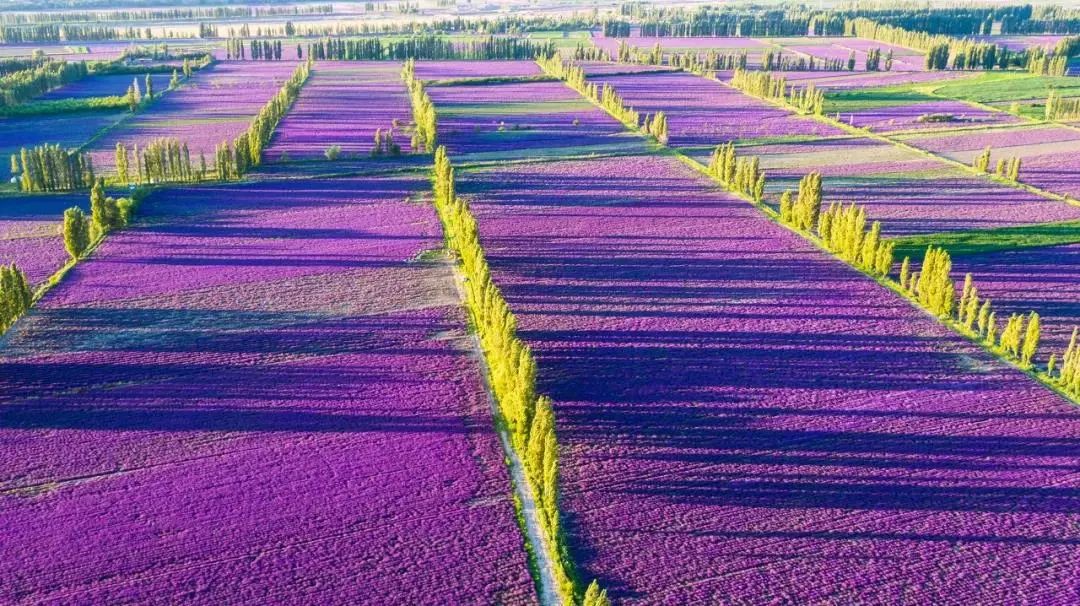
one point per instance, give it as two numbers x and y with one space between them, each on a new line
843 231
76 232
740 175
803 212
52 168
594 596
935 290
759 84
1068 377
981 162
528 417
15 296
247 147
608 99
1058 108
163 160
657 126
424 120
806 99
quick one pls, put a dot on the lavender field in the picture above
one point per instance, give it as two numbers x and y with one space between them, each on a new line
216 105
539 303
236 374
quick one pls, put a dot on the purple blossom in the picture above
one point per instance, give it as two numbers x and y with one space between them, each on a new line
370 93
253 395
745 420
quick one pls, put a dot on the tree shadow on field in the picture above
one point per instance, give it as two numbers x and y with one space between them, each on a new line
707 365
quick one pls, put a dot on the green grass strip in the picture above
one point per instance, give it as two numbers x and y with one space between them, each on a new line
990 240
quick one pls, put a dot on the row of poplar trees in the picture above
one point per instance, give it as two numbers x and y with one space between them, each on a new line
424 120
15 295
80 230
743 176
606 97
528 417
805 99
52 168
1007 168
933 287
245 152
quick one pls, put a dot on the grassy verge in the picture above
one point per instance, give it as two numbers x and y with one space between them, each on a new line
991 240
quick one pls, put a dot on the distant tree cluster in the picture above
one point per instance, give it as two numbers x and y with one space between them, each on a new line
946 52
583 52
873 60
743 176
52 168
711 61
15 295
1059 108
21 85
429 47
804 99
1007 168
772 60
616 28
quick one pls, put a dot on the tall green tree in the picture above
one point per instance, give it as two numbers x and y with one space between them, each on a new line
76 232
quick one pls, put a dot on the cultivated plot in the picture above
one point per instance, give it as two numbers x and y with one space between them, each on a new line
261 396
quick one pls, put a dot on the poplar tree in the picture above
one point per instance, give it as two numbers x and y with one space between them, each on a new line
1031 340
122 162
76 232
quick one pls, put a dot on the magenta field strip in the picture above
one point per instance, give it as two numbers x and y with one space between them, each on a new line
909 193
30 232
370 94
215 105
254 395
747 420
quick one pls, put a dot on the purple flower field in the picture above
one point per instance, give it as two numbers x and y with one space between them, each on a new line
370 93
1039 279
906 116
1049 152
215 105
859 79
258 398
286 387
447 70
745 420
907 192
704 112
1019 43
105 86
30 231
524 120
998 138
675 43
904 60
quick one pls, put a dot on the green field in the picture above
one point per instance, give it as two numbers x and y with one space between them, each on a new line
990 240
